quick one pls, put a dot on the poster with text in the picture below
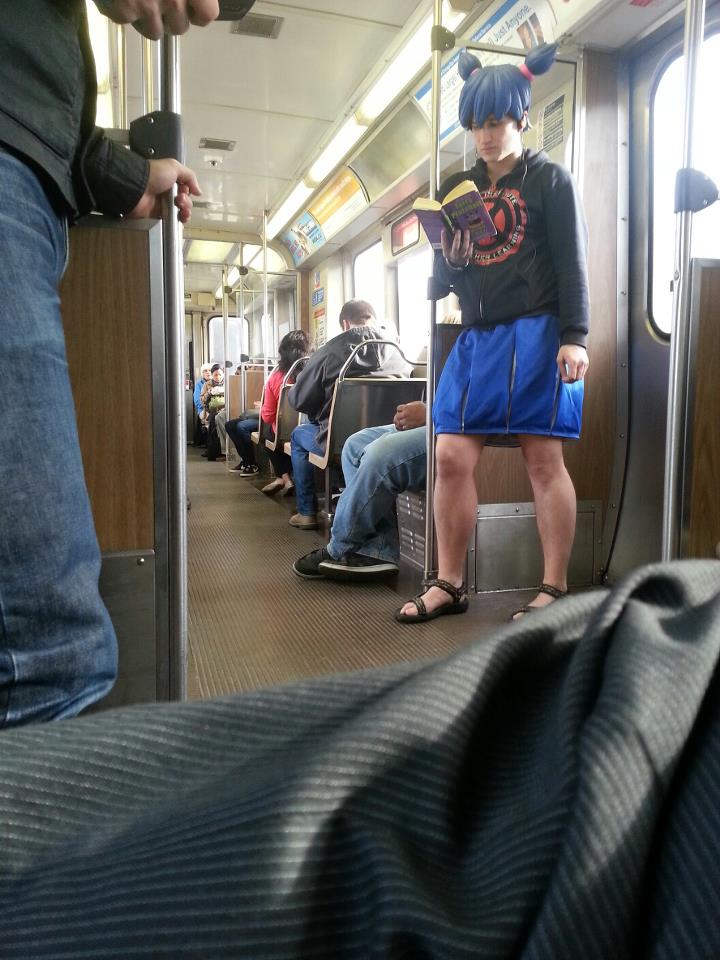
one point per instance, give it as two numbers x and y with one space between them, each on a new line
509 23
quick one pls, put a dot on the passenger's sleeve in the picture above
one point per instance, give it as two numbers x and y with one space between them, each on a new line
567 237
308 394
114 176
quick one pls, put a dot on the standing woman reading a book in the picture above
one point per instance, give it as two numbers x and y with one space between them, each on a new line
517 369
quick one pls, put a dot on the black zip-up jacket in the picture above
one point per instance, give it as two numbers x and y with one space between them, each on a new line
313 390
47 110
537 263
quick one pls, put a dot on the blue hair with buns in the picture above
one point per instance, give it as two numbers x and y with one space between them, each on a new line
502 90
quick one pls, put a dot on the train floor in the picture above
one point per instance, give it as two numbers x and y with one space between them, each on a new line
253 623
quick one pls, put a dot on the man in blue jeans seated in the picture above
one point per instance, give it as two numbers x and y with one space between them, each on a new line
378 464
313 391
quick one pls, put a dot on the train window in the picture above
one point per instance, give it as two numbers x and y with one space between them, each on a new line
369 278
215 337
413 271
404 233
667 106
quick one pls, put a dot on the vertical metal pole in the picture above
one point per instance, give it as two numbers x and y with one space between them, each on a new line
678 380
122 114
430 391
240 304
174 350
226 317
266 318
147 76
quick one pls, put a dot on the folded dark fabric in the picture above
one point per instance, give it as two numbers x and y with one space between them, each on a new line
551 792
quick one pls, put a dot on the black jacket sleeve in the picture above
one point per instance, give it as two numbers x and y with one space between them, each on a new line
115 177
567 237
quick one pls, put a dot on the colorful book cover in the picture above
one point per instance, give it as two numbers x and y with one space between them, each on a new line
462 209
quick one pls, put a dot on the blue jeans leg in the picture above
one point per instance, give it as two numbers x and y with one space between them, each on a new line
57 646
239 431
303 443
378 464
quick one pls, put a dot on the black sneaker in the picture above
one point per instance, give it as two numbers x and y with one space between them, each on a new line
356 567
248 470
308 566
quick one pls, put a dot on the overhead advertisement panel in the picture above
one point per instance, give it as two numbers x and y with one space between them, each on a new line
339 203
332 209
508 23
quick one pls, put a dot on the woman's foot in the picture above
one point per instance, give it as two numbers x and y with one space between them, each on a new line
287 489
275 486
547 594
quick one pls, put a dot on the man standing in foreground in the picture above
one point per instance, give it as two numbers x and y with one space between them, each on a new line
57 646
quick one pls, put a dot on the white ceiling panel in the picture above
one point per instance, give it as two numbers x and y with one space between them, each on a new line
306 72
278 99
265 147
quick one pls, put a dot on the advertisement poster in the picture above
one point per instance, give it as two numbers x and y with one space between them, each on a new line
304 237
338 203
507 23
318 308
553 119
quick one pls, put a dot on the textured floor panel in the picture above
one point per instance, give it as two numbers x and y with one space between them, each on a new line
253 623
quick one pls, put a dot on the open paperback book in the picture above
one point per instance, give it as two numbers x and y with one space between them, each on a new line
462 209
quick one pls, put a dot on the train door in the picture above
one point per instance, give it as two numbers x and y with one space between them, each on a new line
656 105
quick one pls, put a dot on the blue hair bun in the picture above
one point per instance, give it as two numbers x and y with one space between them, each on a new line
540 59
467 63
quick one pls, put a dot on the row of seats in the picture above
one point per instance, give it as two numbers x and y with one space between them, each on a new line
357 402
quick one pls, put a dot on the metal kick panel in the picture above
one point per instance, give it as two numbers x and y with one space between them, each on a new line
127 586
508 555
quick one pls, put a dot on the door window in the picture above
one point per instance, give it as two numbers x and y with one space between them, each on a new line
666 110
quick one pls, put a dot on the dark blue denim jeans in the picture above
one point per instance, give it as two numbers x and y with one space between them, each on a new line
57 646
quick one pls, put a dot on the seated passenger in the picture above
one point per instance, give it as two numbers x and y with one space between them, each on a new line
212 398
200 434
312 394
378 464
293 346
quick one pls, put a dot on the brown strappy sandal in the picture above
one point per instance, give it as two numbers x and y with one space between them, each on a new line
547 588
458 603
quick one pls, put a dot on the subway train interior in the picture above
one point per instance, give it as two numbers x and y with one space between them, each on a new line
311 128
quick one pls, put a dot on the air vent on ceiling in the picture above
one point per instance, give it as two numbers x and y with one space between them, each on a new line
210 143
258 25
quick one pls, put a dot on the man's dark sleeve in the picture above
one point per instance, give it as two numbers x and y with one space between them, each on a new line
115 177
308 394
567 236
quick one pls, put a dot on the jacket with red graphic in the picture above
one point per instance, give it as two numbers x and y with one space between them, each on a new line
537 263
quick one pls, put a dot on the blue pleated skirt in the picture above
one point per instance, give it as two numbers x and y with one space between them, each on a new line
504 381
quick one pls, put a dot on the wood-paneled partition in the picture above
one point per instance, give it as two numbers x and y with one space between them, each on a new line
112 311
701 522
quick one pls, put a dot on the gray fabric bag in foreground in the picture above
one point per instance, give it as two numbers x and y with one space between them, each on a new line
551 792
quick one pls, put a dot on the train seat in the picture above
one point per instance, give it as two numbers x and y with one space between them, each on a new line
360 402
